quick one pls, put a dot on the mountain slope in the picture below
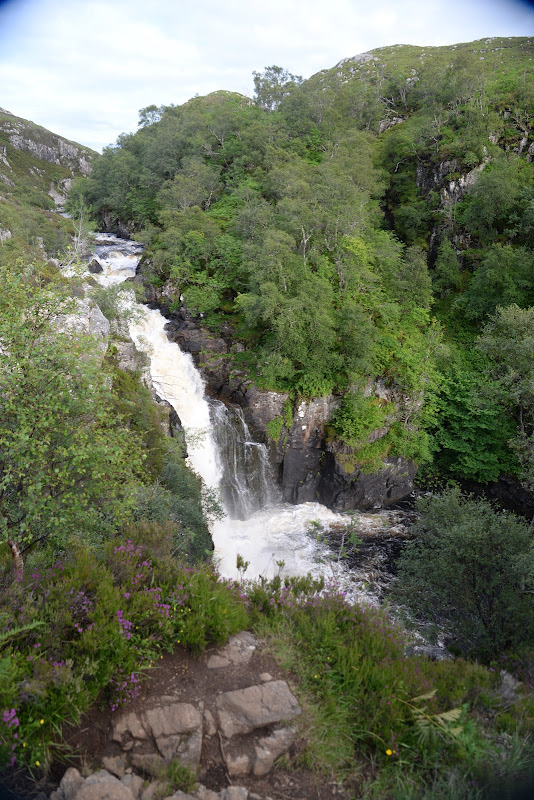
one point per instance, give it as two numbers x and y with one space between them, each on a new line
36 170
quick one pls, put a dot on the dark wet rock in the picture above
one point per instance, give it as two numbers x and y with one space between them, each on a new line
342 488
95 267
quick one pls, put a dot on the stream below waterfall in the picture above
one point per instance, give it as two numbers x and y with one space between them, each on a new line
274 537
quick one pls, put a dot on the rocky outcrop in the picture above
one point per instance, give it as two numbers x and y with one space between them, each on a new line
89 320
346 488
307 466
246 729
47 146
103 785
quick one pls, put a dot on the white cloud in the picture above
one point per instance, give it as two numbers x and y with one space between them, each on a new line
85 68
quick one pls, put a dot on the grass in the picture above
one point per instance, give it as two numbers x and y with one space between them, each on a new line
390 725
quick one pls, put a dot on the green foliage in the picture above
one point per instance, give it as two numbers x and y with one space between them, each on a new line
357 417
471 431
469 571
492 197
508 342
178 498
66 462
446 275
271 86
309 230
504 277
275 427
367 705
88 627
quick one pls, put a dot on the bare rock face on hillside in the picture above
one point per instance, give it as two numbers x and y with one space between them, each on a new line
47 146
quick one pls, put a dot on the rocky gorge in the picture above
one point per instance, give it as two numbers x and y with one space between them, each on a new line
308 465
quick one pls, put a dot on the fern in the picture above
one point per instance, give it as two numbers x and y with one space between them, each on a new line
429 724
5 637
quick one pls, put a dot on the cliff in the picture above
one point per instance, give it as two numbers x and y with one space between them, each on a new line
36 171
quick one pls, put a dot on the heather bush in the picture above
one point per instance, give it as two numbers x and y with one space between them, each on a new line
103 620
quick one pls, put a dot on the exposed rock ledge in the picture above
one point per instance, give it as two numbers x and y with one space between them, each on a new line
308 467
225 718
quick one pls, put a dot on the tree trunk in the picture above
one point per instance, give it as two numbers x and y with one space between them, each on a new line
17 556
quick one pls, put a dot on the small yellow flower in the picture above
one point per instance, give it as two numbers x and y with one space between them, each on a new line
37 763
41 722
389 752
24 744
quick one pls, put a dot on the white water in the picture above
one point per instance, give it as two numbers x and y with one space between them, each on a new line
274 539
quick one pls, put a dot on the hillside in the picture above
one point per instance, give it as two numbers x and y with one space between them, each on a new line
351 235
36 171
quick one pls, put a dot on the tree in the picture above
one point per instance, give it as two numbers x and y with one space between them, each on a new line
472 431
195 185
271 86
504 277
508 342
470 573
66 464
150 115
446 277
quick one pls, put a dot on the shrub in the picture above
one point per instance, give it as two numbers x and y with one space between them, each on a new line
469 572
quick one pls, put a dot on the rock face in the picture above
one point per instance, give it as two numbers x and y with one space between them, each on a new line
47 146
307 466
345 490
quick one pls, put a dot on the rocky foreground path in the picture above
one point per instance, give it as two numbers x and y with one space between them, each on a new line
228 717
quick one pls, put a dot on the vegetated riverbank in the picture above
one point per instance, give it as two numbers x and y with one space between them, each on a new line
106 620
86 628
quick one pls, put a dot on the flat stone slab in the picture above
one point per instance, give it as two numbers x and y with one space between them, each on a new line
238 650
175 728
244 710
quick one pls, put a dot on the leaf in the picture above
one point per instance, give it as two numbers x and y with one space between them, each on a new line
4 637
449 716
427 696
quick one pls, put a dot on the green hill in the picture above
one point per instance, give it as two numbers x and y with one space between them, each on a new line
36 170
354 230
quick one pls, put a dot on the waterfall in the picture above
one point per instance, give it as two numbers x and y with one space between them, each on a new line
274 538
247 482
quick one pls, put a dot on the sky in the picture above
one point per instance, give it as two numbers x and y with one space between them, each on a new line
84 68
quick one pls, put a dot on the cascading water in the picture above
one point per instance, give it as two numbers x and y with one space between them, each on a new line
272 537
247 483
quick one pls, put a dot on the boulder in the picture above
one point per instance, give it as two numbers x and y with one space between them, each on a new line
239 650
175 729
245 710
103 786
272 747
70 783
95 267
